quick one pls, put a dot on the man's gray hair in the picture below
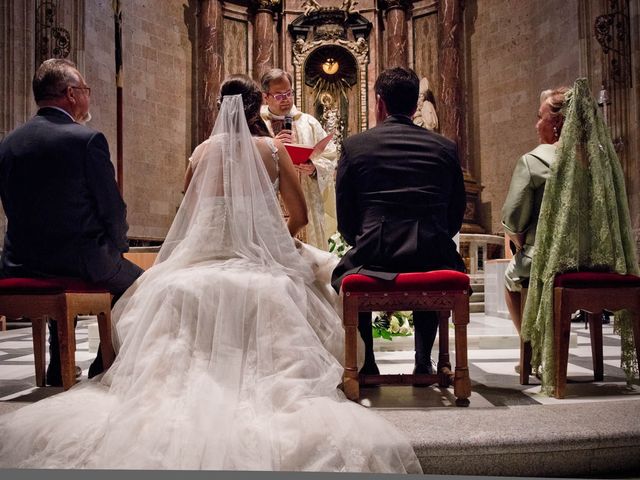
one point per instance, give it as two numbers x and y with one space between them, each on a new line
272 75
545 94
53 77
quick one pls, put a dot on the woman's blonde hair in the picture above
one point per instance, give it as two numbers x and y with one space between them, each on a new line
555 98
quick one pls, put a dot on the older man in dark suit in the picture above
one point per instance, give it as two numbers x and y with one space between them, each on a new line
65 214
400 200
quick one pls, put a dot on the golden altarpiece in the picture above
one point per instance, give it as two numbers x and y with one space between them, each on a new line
334 50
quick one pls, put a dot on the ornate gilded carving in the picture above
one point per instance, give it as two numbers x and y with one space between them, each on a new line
272 5
391 4
359 49
51 39
310 6
612 33
349 6
395 302
330 31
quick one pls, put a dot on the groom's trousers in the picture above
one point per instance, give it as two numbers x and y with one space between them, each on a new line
425 329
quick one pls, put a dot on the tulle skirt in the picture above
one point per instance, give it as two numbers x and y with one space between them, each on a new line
222 365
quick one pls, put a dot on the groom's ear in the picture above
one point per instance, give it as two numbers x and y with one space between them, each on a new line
381 109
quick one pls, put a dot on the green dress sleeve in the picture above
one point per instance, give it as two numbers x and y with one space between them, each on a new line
517 209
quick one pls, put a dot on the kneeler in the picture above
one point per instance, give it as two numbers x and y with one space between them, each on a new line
442 291
59 299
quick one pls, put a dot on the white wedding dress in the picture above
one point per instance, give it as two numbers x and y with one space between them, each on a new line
228 350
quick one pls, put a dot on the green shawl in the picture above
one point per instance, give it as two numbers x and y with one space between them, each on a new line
584 224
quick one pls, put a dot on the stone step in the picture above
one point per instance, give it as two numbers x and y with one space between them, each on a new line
477 297
474 342
476 307
477 287
592 440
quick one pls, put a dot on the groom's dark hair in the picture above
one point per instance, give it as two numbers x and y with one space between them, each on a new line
251 100
399 88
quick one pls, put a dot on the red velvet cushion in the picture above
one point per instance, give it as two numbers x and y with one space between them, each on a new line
39 286
595 280
419 281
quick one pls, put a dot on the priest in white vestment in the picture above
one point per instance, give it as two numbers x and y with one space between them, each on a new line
318 176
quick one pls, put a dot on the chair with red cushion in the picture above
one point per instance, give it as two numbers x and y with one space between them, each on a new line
591 292
59 299
441 291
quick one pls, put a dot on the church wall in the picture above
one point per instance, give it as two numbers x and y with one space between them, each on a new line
514 51
158 83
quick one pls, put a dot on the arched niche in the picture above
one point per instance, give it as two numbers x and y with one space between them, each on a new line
331 35
330 81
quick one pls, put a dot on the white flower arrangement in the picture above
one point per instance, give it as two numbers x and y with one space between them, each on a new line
392 324
338 245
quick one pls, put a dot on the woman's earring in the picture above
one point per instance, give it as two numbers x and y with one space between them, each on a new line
555 133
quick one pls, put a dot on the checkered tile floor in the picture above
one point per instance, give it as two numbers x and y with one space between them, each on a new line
17 372
493 353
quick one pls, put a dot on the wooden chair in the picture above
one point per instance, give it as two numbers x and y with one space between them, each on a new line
59 299
591 292
144 257
441 291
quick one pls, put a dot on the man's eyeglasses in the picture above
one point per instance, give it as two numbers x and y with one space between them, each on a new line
281 96
88 89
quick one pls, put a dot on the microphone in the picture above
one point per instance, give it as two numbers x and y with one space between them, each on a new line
288 122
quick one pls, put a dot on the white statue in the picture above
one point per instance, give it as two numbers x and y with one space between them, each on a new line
425 115
329 112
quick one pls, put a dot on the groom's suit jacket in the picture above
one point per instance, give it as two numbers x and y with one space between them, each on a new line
65 213
400 200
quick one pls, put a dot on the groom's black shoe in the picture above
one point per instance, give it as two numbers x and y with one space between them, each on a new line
370 368
54 374
425 369
422 369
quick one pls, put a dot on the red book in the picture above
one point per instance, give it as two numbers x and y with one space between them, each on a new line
303 153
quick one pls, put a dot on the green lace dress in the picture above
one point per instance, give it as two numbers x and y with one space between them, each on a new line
522 208
584 224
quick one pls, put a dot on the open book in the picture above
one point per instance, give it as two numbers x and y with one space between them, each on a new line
303 153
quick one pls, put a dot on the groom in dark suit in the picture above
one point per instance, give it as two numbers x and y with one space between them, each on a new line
65 215
400 200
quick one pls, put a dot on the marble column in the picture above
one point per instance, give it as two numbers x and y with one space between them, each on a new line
210 64
396 31
451 98
17 60
263 43
451 108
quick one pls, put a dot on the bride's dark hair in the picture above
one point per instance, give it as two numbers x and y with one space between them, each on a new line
251 99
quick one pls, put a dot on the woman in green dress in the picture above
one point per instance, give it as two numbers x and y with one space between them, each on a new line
522 206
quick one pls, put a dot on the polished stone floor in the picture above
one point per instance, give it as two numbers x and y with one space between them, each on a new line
493 352
508 429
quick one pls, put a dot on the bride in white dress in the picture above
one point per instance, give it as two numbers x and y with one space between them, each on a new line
229 347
